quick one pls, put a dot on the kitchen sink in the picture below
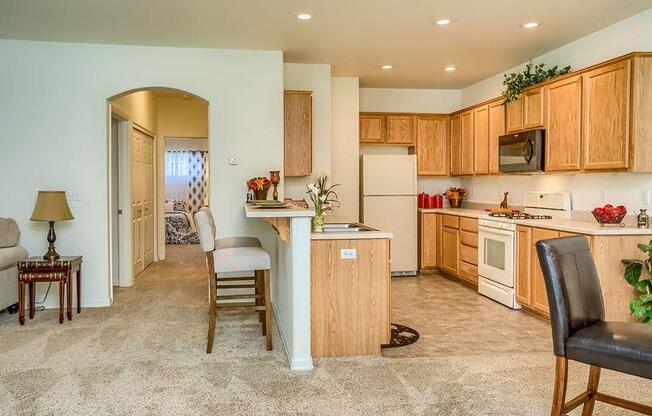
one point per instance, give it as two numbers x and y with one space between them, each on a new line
349 227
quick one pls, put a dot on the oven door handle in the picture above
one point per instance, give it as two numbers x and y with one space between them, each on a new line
496 231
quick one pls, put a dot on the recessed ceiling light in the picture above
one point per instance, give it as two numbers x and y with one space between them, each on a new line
304 16
450 68
442 21
386 67
530 25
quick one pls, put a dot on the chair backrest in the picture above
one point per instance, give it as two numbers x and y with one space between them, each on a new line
572 285
205 229
210 219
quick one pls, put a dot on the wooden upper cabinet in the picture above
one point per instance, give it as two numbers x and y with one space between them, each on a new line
372 128
456 144
533 106
563 124
298 133
481 140
431 146
641 134
400 129
496 129
605 116
523 265
514 116
466 148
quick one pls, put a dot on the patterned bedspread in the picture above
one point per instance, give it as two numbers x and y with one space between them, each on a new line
180 228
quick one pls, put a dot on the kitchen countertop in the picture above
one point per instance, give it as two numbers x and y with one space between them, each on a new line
352 235
561 224
291 211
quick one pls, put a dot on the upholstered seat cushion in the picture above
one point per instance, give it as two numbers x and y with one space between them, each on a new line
8 233
233 242
620 346
239 259
10 256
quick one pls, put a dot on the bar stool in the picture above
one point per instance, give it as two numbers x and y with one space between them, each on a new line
579 331
235 254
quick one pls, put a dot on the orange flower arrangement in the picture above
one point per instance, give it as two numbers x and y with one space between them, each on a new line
260 183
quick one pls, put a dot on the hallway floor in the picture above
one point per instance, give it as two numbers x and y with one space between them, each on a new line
145 356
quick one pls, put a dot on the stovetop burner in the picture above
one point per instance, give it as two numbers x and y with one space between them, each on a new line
520 216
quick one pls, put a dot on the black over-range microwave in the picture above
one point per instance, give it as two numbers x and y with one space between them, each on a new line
522 152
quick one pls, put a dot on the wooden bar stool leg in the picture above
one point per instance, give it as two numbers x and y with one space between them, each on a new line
62 294
79 289
21 303
561 381
592 389
212 283
69 295
32 300
259 291
268 311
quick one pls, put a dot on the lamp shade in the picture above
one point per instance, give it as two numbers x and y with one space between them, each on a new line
51 206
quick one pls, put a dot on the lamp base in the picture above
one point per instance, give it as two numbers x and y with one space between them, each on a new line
52 254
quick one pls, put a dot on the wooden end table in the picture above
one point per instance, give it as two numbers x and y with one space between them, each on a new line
36 269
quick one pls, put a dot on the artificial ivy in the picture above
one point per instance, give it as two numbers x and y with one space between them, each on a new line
638 273
532 74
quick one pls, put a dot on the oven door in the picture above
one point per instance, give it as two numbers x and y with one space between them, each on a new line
496 255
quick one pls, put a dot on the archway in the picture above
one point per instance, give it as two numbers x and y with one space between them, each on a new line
140 124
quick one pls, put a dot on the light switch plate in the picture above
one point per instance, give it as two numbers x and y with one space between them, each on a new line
233 160
73 196
348 253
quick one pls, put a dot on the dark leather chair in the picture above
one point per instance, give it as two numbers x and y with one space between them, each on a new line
579 331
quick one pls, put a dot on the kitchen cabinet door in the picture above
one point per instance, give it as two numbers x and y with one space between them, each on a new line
466 148
481 140
533 105
372 128
523 268
564 125
400 129
456 144
641 135
439 250
496 129
450 254
514 116
431 148
428 241
605 116
298 133
539 298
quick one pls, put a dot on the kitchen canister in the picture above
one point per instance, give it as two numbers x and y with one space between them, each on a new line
422 200
439 201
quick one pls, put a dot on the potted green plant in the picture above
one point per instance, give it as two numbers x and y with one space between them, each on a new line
322 197
638 273
532 74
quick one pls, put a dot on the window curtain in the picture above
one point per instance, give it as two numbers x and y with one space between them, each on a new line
186 177
198 183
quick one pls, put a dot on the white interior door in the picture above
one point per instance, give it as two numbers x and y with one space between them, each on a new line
398 215
142 200
148 200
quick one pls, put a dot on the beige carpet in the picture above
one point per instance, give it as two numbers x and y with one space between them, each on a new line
145 356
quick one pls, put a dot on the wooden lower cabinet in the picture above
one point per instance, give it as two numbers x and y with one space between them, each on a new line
539 298
523 266
350 298
451 252
428 241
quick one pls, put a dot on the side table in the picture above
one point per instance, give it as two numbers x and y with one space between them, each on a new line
36 269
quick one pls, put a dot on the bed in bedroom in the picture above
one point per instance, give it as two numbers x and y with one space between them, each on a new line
179 225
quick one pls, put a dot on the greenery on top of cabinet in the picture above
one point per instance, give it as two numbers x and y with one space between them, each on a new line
532 74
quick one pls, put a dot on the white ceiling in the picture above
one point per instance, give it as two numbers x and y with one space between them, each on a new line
354 36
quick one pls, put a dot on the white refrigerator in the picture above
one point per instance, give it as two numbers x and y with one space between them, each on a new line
388 188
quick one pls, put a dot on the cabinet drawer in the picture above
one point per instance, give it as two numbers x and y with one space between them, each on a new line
451 221
469 272
469 224
469 254
469 239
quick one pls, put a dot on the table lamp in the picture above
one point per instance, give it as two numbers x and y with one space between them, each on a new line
51 206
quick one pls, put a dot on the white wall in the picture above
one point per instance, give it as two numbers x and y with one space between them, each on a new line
53 125
629 35
315 78
399 100
345 143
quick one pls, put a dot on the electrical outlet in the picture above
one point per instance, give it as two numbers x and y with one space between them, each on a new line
233 160
645 197
348 253
73 196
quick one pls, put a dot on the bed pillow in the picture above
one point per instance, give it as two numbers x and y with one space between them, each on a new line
169 206
180 206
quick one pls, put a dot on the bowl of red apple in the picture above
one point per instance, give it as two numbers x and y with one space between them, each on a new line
610 215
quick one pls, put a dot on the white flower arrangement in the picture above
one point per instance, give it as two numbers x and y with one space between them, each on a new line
322 196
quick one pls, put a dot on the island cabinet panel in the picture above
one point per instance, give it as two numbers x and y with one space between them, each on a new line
428 241
466 148
533 106
481 140
400 129
451 250
350 298
496 129
523 265
606 116
456 144
298 133
514 116
564 124
372 128
539 298
431 146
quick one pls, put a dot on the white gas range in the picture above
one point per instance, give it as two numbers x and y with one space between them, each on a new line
497 243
